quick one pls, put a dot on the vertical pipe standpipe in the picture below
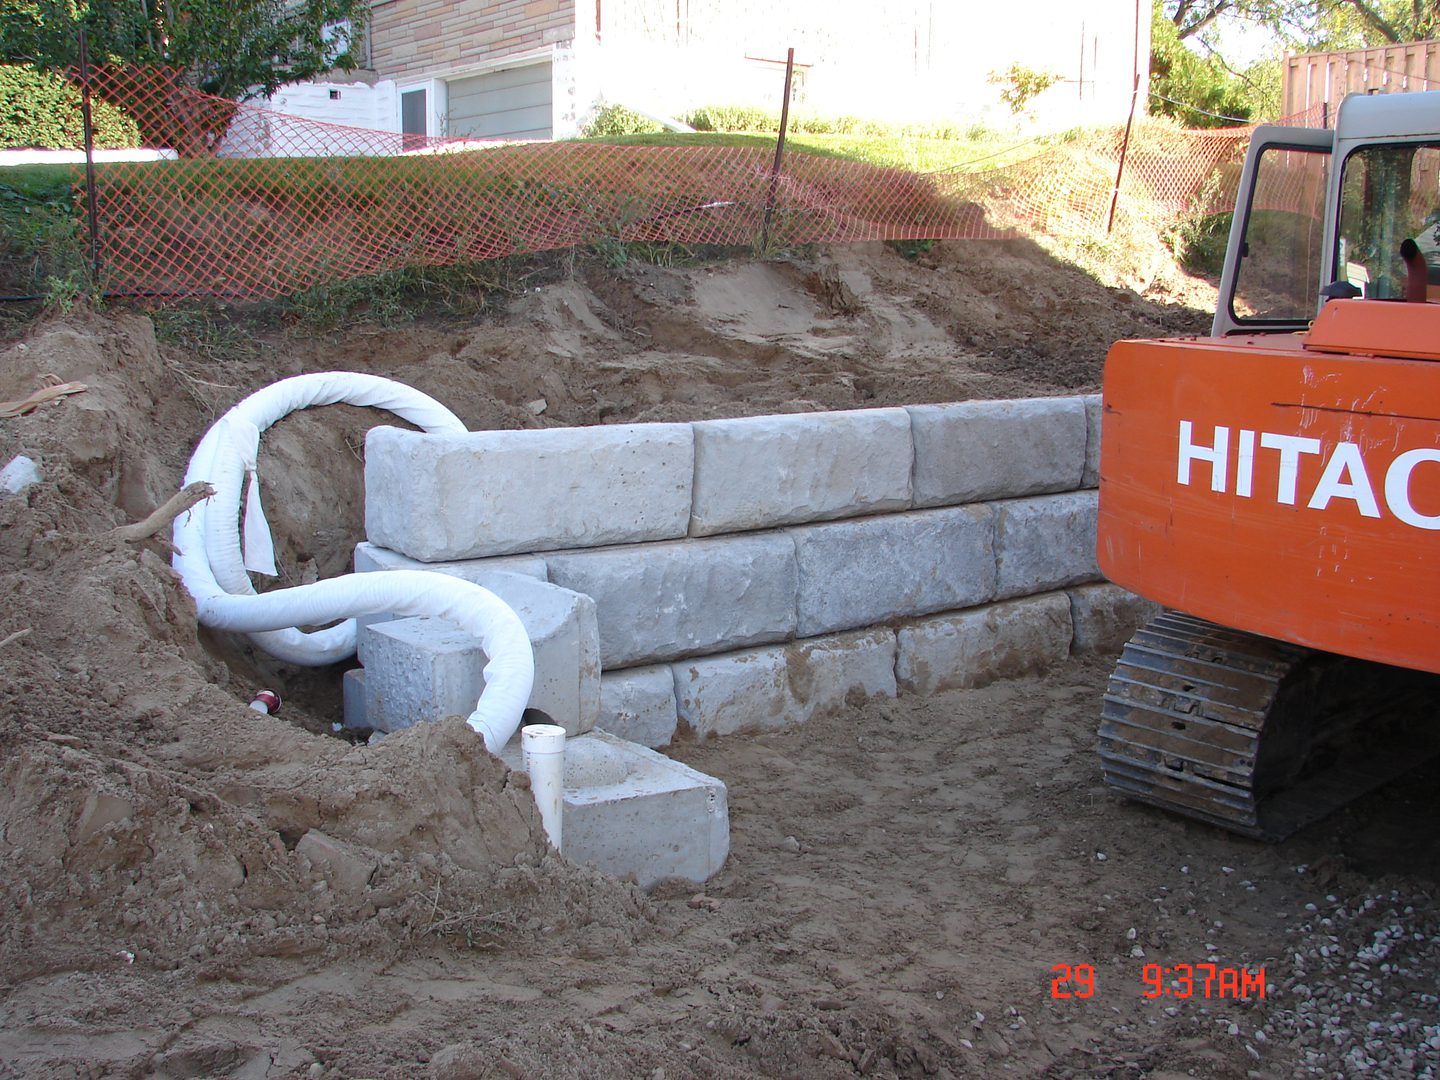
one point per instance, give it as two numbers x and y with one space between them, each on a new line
544 749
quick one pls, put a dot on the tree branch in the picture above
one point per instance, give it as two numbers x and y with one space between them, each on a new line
173 507
1375 20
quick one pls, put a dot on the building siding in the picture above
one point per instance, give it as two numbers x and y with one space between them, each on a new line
424 38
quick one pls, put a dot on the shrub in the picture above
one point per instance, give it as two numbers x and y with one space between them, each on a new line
1019 85
42 109
741 118
613 120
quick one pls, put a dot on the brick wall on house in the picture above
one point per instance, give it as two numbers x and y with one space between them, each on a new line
411 38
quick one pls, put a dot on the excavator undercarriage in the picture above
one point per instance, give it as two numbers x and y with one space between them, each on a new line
1256 735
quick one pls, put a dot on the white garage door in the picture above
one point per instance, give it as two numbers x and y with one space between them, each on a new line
512 104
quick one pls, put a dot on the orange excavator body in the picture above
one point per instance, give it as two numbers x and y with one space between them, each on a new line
1286 485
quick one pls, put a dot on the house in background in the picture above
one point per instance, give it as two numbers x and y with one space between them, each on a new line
538 69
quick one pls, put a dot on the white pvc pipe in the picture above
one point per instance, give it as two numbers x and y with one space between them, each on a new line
208 557
544 748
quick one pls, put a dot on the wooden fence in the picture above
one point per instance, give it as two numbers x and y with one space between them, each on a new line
1323 79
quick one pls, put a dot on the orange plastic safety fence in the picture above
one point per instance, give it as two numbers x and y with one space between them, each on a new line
253 203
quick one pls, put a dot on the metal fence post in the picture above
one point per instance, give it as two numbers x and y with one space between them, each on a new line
779 152
92 217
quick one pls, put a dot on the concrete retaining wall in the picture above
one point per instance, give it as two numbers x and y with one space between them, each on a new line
753 573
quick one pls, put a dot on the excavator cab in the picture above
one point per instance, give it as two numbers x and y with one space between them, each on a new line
1323 214
1276 488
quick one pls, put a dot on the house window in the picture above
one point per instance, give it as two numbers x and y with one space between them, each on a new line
414 118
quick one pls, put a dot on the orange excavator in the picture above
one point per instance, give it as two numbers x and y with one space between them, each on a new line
1276 488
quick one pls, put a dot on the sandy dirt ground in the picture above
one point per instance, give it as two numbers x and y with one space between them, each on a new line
191 889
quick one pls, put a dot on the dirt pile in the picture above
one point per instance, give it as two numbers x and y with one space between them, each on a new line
194 889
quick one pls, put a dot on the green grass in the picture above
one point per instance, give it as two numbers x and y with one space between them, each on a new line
914 153
42 247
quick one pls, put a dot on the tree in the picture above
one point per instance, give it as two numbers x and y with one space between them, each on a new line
1198 91
235 49
1310 24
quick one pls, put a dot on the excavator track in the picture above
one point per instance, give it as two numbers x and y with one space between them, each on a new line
1254 735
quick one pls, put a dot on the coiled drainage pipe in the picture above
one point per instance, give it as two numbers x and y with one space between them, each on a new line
209 561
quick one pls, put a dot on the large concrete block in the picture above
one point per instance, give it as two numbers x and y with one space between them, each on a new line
761 471
421 669
973 648
439 497
665 601
782 686
1045 543
1106 616
826 675
1093 412
741 691
871 570
631 812
638 705
418 670
974 451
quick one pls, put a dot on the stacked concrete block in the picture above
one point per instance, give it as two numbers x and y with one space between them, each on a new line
419 669
1093 412
973 648
980 450
637 814
1107 616
638 705
872 570
782 686
762 471
665 601
484 493
750 573
1045 543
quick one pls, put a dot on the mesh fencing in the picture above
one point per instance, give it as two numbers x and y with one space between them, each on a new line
255 204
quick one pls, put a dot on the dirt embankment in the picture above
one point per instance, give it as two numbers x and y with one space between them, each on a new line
192 889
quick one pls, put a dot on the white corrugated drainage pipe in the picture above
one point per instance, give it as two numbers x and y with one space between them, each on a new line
217 555
226 600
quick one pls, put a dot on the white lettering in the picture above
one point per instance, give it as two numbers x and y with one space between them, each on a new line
1245 463
1397 489
1217 455
1290 447
1346 460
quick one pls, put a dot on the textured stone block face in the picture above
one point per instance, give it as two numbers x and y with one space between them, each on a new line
637 814
418 670
423 669
1093 412
857 573
829 674
763 471
742 691
1045 543
979 450
779 687
664 601
974 648
638 705
1107 616
482 493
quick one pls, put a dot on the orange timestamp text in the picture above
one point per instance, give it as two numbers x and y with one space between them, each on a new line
1166 980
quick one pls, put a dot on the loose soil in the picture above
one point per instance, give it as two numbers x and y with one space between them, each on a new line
193 889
